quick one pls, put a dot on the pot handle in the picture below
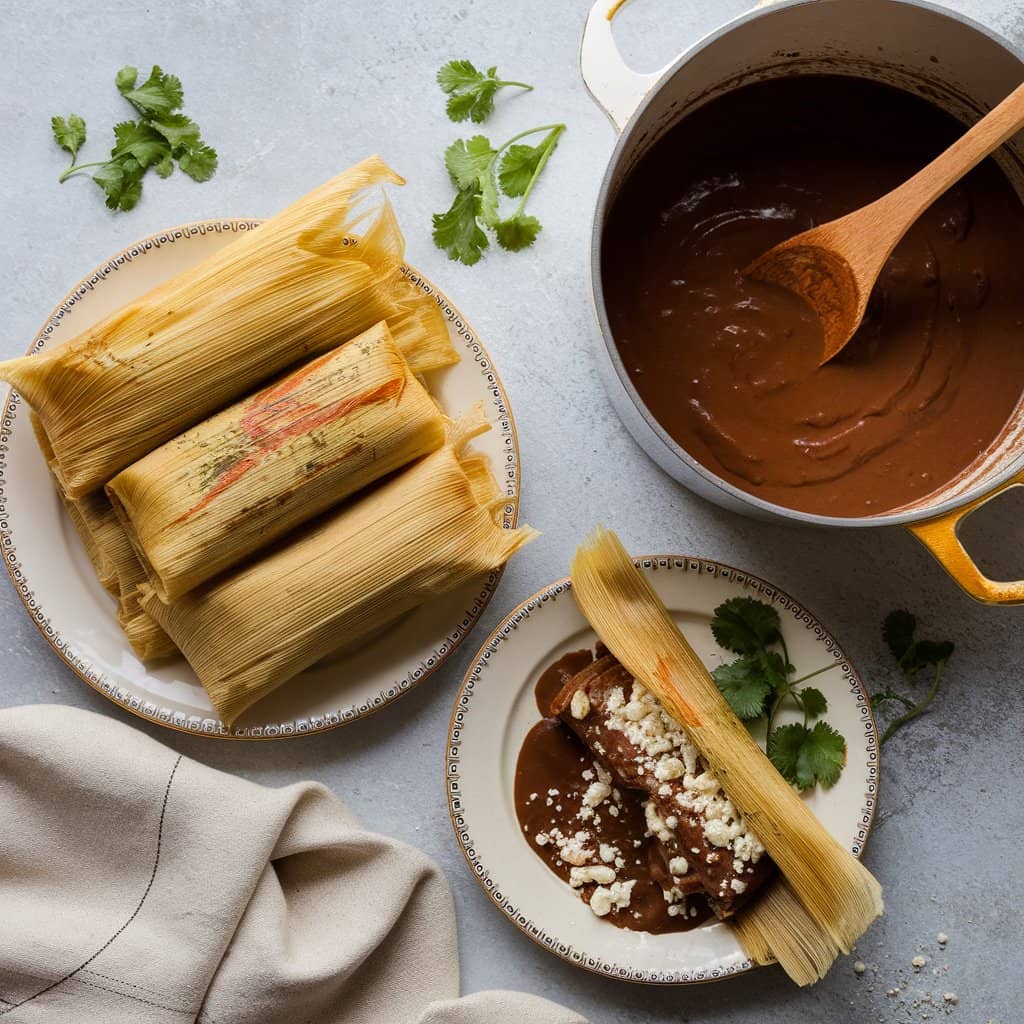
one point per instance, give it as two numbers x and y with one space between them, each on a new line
616 87
940 537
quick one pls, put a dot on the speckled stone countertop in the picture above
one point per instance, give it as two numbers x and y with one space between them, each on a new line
291 93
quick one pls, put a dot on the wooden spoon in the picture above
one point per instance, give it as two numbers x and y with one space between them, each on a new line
833 267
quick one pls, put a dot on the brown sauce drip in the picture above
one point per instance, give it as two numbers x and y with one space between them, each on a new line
552 757
729 366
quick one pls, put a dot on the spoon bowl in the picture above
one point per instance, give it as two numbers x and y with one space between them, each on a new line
821 276
834 266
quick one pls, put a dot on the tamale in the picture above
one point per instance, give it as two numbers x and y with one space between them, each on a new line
322 271
119 571
209 499
420 330
424 532
103 566
839 895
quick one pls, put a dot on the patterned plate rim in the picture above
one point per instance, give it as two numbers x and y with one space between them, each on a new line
654 563
511 476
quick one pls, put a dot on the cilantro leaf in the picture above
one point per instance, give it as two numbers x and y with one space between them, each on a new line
468 160
141 141
159 94
898 632
457 230
517 232
470 92
743 685
821 758
121 180
744 625
157 137
521 164
814 701
805 756
517 167
177 129
198 161
126 78
784 746
930 652
69 133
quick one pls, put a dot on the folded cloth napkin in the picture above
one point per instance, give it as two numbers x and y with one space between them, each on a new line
138 885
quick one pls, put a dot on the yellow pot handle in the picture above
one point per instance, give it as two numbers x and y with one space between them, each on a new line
940 537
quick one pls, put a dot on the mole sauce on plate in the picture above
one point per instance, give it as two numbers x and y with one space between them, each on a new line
553 758
729 366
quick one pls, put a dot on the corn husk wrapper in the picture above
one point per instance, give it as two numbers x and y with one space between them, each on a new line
293 287
424 532
827 892
211 498
119 571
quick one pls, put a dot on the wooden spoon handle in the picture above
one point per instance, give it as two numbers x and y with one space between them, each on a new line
914 196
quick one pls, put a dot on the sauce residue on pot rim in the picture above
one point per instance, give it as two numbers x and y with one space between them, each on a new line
729 366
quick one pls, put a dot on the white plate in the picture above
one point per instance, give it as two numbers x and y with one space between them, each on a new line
495 709
52 574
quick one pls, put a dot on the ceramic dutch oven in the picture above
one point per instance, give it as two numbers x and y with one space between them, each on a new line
957 63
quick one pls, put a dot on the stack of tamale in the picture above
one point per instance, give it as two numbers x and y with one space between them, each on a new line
221 445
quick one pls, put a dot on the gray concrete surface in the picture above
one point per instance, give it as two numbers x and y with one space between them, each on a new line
290 93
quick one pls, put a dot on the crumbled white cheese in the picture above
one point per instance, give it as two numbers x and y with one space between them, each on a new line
613 811
942 938
588 775
678 866
542 839
655 823
580 705
666 752
607 853
618 895
737 886
599 873
576 850
552 792
597 793
669 768
918 962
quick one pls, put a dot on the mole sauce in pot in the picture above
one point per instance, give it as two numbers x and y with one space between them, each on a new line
729 366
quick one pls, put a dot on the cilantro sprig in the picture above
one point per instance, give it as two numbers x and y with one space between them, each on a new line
160 136
758 684
482 173
470 92
913 656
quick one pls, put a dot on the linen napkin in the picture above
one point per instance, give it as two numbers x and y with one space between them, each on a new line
138 885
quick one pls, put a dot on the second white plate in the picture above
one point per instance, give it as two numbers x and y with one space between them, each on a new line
496 708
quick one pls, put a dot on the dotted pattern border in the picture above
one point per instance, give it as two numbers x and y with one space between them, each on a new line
508 476
461 718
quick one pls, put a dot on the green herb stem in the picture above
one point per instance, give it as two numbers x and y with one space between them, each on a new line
75 168
549 144
518 85
522 135
917 709
811 675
